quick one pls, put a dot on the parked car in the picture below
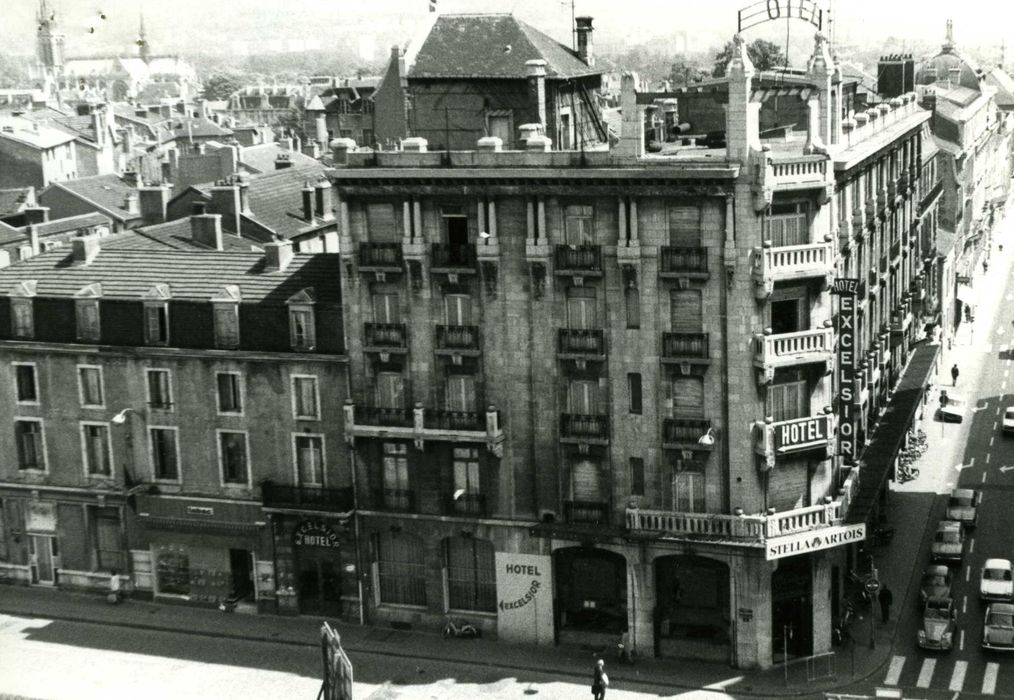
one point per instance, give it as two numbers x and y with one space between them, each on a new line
939 622
1008 420
954 410
996 582
963 506
998 627
936 583
948 542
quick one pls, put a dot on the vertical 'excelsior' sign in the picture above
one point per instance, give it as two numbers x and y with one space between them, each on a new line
845 289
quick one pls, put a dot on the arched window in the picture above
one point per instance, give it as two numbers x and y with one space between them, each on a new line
470 573
401 568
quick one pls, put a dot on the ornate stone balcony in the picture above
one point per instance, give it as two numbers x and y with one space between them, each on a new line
794 262
420 424
792 349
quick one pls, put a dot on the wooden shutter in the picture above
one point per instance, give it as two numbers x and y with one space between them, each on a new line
586 480
461 392
380 223
390 390
386 308
685 310
581 311
688 396
458 310
685 226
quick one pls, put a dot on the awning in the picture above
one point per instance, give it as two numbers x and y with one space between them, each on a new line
966 294
879 455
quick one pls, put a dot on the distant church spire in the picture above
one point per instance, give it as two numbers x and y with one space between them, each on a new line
143 48
48 43
949 38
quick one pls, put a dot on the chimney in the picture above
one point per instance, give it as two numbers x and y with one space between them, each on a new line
99 124
33 239
286 143
36 215
340 149
312 149
535 69
632 116
154 200
277 256
283 161
225 201
206 229
244 194
84 249
323 199
583 26
130 203
308 201
140 112
130 178
320 126
415 144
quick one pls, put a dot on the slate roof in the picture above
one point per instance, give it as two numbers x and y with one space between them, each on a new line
1004 84
12 201
196 275
107 192
10 234
475 46
183 127
172 235
32 134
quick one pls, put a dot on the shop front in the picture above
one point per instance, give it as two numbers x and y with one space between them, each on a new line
204 552
315 561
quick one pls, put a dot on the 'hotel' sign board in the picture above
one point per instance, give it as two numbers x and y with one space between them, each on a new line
813 540
800 434
846 291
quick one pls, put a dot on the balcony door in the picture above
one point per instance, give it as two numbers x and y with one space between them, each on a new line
584 396
386 308
460 394
788 224
455 230
581 312
685 311
586 481
685 226
789 315
579 225
390 390
788 397
458 310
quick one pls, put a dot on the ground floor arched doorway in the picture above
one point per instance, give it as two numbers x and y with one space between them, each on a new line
591 596
691 616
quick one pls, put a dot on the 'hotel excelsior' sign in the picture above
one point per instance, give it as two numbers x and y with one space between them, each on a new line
801 434
813 540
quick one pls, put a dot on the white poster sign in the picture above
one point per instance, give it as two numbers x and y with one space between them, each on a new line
813 540
524 597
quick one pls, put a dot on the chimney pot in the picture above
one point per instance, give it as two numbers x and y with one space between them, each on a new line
277 255
583 27
308 194
322 206
340 149
414 144
490 143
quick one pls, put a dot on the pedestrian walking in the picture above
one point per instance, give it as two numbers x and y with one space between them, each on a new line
985 267
115 592
886 598
600 681
954 374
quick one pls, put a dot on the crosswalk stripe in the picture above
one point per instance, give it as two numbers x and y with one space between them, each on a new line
958 677
989 680
894 671
926 673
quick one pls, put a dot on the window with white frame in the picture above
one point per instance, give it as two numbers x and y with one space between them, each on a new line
787 224
232 455
160 392
165 460
309 459
107 537
90 389
395 466
386 308
226 325
98 456
28 434
230 392
26 383
466 470
156 323
458 310
687 489
305 400
86 313
22 318
579 224
302 330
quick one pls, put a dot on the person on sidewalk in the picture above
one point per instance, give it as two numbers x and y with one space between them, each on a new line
886 598
954 374
115 590
600 681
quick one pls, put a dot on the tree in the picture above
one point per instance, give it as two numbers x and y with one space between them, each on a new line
220 86
685 71
764 54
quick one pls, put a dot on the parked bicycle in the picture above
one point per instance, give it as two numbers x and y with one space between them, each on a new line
460 629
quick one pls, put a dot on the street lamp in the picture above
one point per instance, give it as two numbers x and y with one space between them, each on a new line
121 417
708 439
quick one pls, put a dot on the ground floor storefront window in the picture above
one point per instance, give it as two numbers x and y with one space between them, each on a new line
591 590
471 577
691 607
401 568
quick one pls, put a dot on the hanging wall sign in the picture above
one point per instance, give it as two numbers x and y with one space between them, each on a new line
845 327
770 10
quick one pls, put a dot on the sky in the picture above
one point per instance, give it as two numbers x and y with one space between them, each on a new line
372 25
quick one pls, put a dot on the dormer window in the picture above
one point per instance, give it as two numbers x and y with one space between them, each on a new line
87 312
22 317
226 309
302 328
156 323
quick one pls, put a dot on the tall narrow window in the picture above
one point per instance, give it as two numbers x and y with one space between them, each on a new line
684 226
579 225
632 307
108 538
636 476
634 392
87 316
584 396
226 325
396 493
466 470
230 392
310 460
461 392
688 396
788 399
458 309
90 385
471 574
787 224
31 452
581 308
95 445
305 403
160 393
455 232
586 481
26 383
687 491
386 308
401 568
685 312
381 225
390 390
302 329
23 323
156 323
164 457
233 456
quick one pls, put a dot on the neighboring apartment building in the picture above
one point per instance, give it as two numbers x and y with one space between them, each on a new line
165 415
41 234
487 75
97 149
343 110
595 394
112 195
34 155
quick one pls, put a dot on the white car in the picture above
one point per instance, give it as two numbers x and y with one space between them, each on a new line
1008 420
955 409
996 582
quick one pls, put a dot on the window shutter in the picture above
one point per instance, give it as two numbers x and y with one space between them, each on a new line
685 310
380 223
685 226
688 396
587 481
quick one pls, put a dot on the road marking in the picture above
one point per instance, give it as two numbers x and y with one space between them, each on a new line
988 455
894 672
992 438
995 423
971 462
989 680
926 673
958 677
971 545
964 607
968 572
961 641
984 475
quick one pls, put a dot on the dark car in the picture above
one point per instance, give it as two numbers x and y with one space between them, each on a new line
998 627
948 542
963 506
939 623
936 583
